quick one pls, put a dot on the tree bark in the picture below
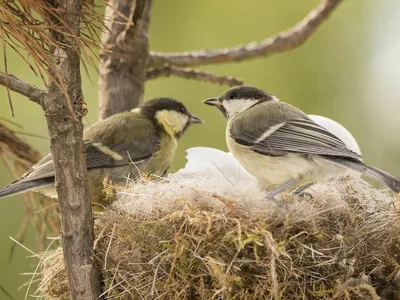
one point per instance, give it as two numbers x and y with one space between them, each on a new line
65 131
123 71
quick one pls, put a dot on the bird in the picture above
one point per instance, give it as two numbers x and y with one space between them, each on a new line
282 146
128 144
215 163
339 130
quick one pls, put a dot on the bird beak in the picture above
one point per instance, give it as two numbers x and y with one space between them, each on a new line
195 120
213 102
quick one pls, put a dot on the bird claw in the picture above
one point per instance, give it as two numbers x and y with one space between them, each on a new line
304 194
279 203
300 191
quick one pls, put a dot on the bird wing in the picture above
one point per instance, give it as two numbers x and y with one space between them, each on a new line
42 169
100 156
121 144
109 150
299 135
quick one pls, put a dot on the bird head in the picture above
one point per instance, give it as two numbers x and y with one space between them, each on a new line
170 114
238 99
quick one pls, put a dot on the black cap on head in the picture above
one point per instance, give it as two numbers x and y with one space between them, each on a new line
150 107
246 92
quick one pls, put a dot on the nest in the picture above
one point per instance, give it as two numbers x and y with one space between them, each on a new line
197 238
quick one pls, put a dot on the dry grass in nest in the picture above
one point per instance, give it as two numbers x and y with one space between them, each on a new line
194 238
42 212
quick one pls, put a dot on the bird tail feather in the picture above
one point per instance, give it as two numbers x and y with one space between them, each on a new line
21 187
383 177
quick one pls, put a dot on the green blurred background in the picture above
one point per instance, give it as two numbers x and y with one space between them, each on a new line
348 70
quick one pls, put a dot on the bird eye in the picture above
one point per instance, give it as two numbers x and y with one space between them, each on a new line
233 95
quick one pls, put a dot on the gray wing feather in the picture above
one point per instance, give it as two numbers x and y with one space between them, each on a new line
295 136
42 169
133 152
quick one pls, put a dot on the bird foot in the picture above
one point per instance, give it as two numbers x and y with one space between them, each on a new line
300 191
304 195
280 203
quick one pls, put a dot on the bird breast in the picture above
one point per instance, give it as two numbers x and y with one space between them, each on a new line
270 170
164 159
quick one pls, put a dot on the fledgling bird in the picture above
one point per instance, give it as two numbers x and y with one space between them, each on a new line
129 144
282 146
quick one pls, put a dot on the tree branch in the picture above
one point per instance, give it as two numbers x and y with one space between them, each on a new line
21 87
64 97
123 70
284 41
193 74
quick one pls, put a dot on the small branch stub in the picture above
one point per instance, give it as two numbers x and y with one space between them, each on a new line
21 87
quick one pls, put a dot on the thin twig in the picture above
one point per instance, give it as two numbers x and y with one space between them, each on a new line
195 74
21 87
5 292
286 40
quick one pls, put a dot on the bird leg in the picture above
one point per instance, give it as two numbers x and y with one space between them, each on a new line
281 188
300 190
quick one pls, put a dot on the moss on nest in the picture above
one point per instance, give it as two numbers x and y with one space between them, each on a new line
343 243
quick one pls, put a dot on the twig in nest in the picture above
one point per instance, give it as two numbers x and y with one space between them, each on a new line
21 87
283 41
195 74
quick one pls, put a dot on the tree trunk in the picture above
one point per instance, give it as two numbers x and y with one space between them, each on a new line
123 72
65 131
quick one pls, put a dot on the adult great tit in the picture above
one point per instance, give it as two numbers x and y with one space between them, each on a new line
128 144
283 147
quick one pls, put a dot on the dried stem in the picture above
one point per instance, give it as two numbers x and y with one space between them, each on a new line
193 74
283 41
21 87
17 149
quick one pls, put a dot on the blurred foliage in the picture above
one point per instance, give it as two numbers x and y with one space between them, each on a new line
344 71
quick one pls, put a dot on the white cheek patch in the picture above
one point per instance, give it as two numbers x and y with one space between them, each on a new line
173 122
236 106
